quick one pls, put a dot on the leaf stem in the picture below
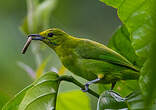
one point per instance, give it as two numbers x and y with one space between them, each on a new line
73 80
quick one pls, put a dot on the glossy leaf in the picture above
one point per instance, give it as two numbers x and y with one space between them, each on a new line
135 101
121 43
41 95
124 87
147 81
144 78
73 100
112 100
13 104
139 18
136 16
113 3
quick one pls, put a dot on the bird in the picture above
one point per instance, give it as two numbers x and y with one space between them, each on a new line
88 59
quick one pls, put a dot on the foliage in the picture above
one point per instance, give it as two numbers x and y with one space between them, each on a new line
137 18
37 19
13 104
112 100
133 40
136 15
77 97
38 15
40 95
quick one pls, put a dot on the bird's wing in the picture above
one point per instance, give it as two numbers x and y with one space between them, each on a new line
88 49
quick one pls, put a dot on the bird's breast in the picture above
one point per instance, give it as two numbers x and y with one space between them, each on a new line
73 64
68 60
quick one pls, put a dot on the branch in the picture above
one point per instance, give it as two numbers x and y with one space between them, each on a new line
71 79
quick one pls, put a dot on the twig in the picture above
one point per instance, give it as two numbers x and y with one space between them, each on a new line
71 79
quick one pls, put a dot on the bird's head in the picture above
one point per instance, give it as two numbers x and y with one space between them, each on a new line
52 37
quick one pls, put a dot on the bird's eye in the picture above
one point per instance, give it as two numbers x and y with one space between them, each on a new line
50 34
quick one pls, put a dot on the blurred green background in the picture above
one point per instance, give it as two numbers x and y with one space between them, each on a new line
82 18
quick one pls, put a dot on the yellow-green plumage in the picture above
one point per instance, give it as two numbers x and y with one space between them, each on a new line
88 59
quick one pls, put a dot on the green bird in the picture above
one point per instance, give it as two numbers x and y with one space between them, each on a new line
88 59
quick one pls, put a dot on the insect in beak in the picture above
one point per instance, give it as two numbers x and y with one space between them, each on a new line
30 38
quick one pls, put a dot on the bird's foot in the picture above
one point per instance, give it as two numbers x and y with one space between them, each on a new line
86 87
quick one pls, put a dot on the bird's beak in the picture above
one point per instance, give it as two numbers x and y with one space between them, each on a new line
36 37
30 38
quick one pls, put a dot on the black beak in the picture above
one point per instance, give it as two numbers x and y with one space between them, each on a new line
36 37
30 38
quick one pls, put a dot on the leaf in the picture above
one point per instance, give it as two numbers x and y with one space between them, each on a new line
43 12
73 100
62 70
113 3
139 18
13 104
124 87
136 16
144 78
147 81
41 95
38 15
41 68
121 43
24 27
112 100
135 101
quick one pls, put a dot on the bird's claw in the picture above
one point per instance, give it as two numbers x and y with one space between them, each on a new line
86 88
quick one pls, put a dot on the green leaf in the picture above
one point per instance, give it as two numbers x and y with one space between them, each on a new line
121 43
41 68
41 95
13 104
112 100
147 81
124 87
73 100
144 78
113 3
139 18
136 16
135 101
38 15
147 78
43 12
